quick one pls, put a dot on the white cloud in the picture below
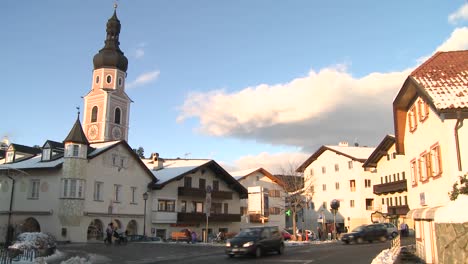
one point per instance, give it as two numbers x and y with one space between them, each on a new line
459 15
320 108
144 79
139 53
279 163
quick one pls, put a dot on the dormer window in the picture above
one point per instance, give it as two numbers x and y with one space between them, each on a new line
10 156
46 154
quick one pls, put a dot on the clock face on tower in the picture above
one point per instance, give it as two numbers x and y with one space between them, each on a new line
93 132
116 133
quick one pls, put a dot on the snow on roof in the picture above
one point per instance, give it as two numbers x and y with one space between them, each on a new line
101 147
356 152
33 163
241 173
173 168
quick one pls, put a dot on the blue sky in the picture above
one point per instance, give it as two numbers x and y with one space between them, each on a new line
247 83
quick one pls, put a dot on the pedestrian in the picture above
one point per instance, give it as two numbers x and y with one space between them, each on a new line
188 234
109 233
194 237
320 233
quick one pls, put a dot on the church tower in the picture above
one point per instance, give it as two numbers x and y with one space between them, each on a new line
107 106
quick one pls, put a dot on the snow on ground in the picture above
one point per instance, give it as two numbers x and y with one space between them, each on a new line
385 257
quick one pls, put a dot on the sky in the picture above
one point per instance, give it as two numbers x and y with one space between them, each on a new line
247 83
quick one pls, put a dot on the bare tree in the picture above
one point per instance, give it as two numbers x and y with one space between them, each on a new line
298 191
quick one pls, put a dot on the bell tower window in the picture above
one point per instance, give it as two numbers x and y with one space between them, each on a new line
109 79
97 78
94 113
117 116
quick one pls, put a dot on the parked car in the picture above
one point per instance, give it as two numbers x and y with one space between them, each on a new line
286 235
392 230
256 241
363 233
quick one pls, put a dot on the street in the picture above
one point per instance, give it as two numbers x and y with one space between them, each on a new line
140 253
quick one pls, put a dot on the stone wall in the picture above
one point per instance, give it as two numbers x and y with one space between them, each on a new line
452 242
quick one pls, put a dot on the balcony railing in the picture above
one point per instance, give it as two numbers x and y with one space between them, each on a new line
398 210
201 193
390 187
200 217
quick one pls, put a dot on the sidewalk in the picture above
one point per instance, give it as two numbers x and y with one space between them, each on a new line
408 252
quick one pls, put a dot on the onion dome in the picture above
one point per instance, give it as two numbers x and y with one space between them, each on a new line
111 56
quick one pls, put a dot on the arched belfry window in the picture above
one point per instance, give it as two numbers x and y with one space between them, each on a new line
117 116
94 113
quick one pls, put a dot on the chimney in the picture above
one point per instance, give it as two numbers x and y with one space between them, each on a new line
158 162
343 144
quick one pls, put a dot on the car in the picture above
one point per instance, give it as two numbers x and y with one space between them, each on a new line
392 230
256 241
286 235
370 233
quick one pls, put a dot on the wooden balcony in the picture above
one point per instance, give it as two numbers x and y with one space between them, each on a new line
201 217
257 218
398 210
201 193
390 187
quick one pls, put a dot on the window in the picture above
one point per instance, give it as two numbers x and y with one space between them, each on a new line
117 116
97 78
350 164
367 183
183 206
46 154
337 185
94 114
369 204
406 200
75 150
351 203
352 185
324 204
337 167
403 175
423 110
324 187
394 155
398 176
324 170
202 184
73 188
274 193
166 206
226 208
98 191
109 79
386 179
311 172
257 178
399 198
394 177
120 81
216 208
133 194
436 161
117 193
422 168
10 156
414 172
383 201
381 180
396 201
215 185
388 156
188 182
198 207
412 119
34 191
274 211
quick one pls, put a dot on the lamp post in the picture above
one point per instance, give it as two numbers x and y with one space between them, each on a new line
145 197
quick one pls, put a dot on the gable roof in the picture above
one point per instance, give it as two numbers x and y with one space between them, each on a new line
242 174
380 151
176 169
24 149
444 77
54 144
442 82
359 154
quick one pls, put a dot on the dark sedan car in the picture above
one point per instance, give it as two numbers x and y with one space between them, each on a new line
256 241
366 233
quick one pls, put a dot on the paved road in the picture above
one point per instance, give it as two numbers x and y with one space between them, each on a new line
146 253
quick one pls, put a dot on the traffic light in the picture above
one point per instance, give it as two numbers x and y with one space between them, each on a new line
288 212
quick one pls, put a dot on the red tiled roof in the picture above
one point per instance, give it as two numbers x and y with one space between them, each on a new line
445 78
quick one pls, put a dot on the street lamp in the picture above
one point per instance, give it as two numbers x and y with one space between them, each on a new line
145 197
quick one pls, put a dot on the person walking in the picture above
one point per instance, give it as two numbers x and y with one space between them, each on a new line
109 233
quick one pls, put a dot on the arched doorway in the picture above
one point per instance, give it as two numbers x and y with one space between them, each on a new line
95 230
30 225
117 224
132 228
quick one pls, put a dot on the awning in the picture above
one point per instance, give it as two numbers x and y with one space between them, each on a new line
425 213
